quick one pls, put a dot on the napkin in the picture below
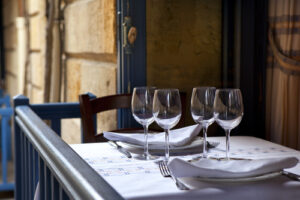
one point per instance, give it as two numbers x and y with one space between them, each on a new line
210 168
177 137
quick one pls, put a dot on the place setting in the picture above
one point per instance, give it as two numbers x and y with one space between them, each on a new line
226 108
164 107
208 105
182 139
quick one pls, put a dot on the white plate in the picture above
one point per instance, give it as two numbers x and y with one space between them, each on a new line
242 179
197 143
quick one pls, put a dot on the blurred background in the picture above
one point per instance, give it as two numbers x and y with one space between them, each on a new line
54 50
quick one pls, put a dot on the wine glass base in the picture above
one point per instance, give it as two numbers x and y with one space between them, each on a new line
143 157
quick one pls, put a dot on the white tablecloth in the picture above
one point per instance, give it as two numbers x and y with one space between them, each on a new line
137 179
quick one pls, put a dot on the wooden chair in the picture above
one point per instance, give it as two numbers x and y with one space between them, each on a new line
90 105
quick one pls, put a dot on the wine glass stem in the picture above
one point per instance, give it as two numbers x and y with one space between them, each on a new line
146 146
204 153
227 132
167 150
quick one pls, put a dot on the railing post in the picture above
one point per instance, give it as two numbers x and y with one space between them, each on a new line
6 113
4 149
17 101
7 130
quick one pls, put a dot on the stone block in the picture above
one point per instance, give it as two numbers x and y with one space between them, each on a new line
36 6
37 69
73 79
38 32
90 76
10 35
98 78
90 27
28 89
71 1
71 131
10 11
37 95
11 62
11 85
188 53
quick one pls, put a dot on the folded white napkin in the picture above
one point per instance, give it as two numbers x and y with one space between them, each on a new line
177 137
210 168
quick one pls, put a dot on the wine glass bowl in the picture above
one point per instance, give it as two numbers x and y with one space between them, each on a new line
141 107
167 111
228 111
202 110
142 102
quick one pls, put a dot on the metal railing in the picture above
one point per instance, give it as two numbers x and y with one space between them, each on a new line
42 157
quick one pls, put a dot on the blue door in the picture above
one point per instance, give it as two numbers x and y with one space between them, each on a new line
131 22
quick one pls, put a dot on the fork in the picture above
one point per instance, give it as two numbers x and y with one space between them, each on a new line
164 170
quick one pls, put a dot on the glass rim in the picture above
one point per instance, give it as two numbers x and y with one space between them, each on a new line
204 87
145 87
228 89
167 89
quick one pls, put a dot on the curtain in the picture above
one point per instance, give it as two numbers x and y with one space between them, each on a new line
283 73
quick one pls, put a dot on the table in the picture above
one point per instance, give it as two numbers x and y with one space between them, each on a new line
138 179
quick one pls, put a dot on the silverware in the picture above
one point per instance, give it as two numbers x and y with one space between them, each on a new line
291 175
120 148
164 170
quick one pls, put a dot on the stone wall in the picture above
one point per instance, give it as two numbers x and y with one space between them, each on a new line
10 13
183 49
184 44
90 54
37 44
90 45
36 10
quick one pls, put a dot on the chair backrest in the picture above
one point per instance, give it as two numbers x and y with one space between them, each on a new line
89 106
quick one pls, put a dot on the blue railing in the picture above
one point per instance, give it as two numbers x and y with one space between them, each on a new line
5 112
41 157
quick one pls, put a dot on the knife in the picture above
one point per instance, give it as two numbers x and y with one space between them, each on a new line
120 149
291 175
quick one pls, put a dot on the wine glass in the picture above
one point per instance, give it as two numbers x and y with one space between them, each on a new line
167 112
228 111
141 107
202 110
